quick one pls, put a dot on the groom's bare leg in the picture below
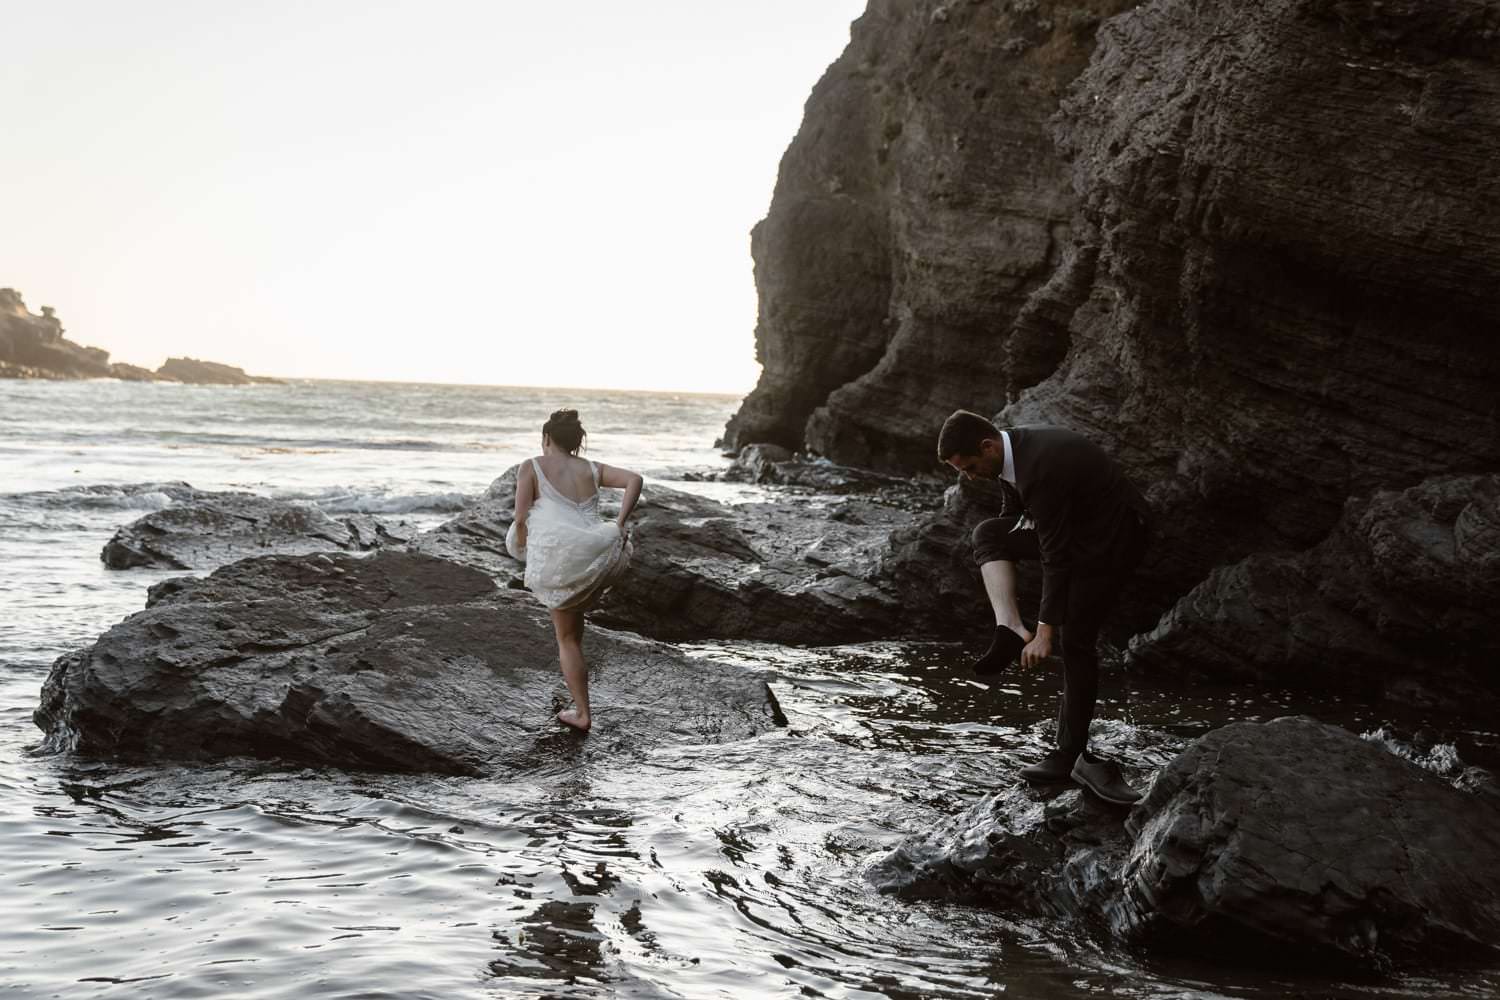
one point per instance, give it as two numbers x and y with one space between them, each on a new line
1000 586
569 628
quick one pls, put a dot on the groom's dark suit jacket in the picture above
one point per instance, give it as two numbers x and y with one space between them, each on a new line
1089 518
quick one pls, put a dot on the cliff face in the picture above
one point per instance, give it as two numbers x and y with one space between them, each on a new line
919 206
1251 249
34 346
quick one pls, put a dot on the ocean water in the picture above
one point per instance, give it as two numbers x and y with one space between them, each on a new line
725 871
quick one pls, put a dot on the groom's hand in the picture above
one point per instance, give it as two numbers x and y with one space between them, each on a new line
1039 648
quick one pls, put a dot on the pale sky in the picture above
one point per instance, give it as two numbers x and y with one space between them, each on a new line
479 192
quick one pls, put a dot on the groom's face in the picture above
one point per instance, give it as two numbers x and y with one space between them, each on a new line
985 465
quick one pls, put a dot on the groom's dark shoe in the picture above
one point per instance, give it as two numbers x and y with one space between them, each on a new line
1056 767
1104 779
1005 649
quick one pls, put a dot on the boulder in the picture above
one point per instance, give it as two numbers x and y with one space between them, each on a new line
1398 602
206 529
1291 839
393 662
798 569
33 346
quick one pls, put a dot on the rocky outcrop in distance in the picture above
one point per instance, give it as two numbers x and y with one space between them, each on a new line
1290 838
33 346
393 662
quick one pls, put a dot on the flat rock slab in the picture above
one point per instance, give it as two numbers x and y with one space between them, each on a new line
394 662
206 529
1270 842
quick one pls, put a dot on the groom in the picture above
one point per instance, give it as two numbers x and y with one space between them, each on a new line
1088 526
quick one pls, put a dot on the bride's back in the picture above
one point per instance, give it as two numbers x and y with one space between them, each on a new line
570 475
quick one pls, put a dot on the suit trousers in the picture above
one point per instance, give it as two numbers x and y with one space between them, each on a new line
1092 594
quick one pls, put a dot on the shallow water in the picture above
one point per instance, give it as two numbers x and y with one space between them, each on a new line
733 870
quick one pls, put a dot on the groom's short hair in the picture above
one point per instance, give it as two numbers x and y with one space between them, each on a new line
962 433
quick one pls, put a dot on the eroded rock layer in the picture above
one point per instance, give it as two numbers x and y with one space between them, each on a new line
920 204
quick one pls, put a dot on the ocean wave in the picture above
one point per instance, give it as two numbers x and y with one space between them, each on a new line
131 496
352 500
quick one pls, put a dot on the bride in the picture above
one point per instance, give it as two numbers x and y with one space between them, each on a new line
571 555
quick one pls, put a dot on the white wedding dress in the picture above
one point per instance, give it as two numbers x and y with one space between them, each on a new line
571 555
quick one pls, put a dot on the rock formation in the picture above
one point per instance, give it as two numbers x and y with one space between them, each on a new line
920 205
205 530
797 570
1247 247
1399 601
206 373
393 662
33 346
1290 838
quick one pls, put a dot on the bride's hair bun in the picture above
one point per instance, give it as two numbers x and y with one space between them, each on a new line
565 430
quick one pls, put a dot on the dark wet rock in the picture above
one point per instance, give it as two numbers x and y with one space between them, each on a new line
476 536
1241 245
1305 835
206 529
920 204
1270 314
799 568
1399 601
757 462
773 465
1290 838
393 662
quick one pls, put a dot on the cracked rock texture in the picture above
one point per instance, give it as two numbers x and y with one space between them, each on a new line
919 206
803 568
1289 838
392 662
1249 248
205 530
1399 601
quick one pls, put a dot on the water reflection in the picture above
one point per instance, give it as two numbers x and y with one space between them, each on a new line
731 870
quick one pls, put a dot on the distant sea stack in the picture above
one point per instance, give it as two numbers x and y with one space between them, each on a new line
1253 249
33 346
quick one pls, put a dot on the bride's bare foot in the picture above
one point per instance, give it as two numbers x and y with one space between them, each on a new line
572 717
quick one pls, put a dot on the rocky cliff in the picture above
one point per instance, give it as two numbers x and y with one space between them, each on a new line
917 210
1250 248
33 346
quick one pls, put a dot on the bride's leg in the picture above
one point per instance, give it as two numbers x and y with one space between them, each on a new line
569 628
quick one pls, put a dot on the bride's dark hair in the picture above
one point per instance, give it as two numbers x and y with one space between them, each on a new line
565 430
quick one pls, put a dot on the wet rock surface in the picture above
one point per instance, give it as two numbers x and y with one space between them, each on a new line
1398 602
205 529
804 567
1290 838
1240 245
393 662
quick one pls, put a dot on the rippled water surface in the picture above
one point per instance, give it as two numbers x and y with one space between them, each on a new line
734 870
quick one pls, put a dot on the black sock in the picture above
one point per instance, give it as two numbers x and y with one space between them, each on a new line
1004 649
